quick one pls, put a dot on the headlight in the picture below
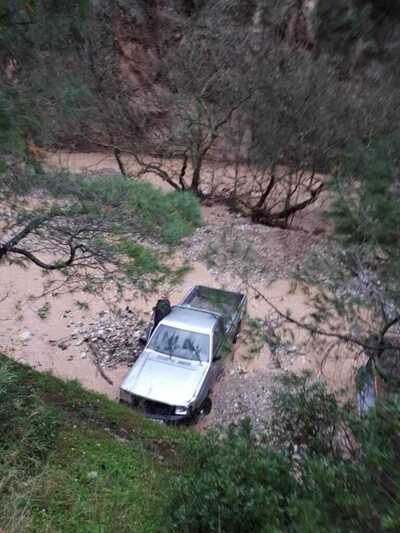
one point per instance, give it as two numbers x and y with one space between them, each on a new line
181 410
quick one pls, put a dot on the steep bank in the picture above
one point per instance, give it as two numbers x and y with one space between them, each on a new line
74 461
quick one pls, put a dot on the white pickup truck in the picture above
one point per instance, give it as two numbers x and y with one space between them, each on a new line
173 377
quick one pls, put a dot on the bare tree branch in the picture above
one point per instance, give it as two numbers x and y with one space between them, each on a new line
346 338
57 265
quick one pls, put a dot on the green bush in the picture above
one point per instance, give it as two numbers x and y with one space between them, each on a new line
366 205
306 417
232 486
235 483
143 260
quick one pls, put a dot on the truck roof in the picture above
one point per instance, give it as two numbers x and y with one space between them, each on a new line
190 320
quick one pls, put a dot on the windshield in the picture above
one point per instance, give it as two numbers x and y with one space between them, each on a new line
181 343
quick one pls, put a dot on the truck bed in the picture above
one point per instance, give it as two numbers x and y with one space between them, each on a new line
217 301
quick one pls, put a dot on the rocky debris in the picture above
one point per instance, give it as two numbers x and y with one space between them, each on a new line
26 335
229 244
245 389
242 395
113 339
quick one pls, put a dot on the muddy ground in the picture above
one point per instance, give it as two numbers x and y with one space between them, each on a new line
49 332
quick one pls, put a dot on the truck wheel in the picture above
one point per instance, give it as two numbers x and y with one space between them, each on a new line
236 335
206 407
204 410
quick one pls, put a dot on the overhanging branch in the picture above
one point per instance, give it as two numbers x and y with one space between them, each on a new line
57 265
347 338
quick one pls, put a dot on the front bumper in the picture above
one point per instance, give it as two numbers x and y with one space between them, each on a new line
151 410
170 419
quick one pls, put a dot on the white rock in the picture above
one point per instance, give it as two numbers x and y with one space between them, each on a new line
26 335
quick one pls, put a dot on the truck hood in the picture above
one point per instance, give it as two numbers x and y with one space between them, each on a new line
163 379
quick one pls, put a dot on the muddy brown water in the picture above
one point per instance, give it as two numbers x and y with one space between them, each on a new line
30 338
33 339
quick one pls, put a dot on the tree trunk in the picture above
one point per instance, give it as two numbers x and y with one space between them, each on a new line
281 218
117 155
194 187
266 193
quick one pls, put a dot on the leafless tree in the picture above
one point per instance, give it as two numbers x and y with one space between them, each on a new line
194 89
223 67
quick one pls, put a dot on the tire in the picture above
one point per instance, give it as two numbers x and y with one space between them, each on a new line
204 410
206 406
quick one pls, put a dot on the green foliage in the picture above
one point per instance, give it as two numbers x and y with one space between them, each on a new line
74 461
28 428
340 26
231 486
65 467
43 311
367 206
82 305
170 216
37 40
237 483
304 399
143 259
10 135
106 216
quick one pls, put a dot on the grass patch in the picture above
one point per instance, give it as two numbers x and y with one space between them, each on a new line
92 482
74 461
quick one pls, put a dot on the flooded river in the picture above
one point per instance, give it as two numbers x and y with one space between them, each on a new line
32 324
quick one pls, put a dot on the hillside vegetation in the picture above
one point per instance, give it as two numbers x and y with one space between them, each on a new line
73 461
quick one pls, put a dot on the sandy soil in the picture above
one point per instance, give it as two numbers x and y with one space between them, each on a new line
37 340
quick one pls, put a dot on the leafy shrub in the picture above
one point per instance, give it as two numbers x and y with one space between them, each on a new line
236 483
366 207
306 417
169 216
143 260
232 487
